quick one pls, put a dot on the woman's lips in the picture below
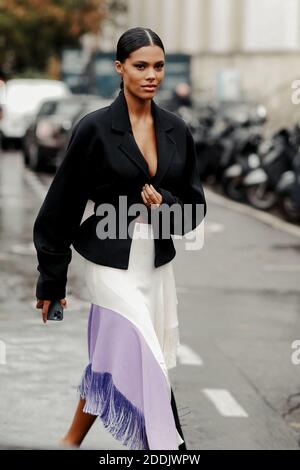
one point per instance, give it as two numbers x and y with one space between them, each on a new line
149 87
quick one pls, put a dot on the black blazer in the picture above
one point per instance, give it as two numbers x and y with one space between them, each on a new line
102 162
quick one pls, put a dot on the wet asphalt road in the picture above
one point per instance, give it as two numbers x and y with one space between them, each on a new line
239 312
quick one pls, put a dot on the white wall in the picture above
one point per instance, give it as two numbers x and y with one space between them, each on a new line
220 25
271 24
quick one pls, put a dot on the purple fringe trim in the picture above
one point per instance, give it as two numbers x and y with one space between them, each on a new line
120 417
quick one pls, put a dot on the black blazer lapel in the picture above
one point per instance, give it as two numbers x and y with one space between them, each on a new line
166 146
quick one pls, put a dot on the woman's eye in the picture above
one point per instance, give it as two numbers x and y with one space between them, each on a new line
140 66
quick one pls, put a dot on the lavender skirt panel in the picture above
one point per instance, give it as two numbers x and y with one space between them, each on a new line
125 386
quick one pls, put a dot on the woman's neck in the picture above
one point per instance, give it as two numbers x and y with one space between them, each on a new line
139 109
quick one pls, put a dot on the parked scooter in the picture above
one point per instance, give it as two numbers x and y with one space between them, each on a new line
261 183
289 190
244 160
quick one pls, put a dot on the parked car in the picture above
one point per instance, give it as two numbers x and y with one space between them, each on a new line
47 136
88 107
23 97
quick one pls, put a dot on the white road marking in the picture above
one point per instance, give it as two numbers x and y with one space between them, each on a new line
264 217
214 227
225 402
187 356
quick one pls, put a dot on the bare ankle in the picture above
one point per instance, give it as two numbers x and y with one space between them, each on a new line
69 441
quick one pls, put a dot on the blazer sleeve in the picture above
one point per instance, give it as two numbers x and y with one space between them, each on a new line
61 214
190 192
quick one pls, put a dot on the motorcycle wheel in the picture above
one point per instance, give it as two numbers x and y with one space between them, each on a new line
233 189
290 210
260 197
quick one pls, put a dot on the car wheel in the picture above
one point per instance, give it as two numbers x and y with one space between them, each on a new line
4 143
34 157
24 148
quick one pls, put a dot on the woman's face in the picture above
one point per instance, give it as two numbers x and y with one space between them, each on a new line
145 66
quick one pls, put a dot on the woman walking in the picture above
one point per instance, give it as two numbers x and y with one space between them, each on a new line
138 151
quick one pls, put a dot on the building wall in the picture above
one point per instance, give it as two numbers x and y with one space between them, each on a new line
261 38
262 73
271 25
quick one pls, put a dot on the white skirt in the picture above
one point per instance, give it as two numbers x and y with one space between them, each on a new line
133 337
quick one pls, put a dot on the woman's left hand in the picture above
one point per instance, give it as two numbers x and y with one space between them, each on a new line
150 196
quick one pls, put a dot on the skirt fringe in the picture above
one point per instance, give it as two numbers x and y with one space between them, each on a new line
119 416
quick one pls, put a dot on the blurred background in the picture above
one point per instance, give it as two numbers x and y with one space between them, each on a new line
232 73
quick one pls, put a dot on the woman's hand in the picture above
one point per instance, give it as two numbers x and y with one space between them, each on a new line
44 305
150 196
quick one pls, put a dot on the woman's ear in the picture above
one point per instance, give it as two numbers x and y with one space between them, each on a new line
118 67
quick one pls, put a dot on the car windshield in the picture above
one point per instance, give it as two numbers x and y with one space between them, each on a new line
47 108
68 108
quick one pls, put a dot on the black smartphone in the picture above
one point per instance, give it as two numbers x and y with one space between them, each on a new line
55 311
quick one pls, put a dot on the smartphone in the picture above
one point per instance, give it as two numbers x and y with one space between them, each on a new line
55 311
